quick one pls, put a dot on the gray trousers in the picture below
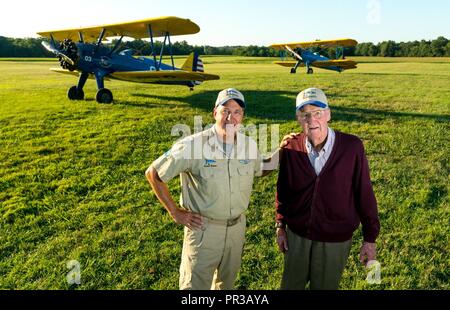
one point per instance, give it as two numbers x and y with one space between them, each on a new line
319 263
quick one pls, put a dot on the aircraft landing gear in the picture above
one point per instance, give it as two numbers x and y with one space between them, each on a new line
104 95
75 94
293 71
310 71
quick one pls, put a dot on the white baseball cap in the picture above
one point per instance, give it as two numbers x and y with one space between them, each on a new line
313 96
228 94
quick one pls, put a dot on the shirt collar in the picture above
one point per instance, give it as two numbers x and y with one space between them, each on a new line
239 142
326 147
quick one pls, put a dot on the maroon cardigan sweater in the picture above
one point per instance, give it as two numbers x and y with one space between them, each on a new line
330 206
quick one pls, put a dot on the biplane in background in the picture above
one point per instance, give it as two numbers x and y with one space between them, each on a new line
307 58
89 57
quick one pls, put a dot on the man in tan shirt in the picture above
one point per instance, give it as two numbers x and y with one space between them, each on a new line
216 167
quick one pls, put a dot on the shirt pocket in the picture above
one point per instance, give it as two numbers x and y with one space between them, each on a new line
246 174
211 184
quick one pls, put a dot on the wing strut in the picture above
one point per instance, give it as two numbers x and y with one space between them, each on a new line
170 50
100 38
152 45
116 46
161 54
53 40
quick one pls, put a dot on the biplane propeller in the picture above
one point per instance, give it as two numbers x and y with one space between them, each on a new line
88 57
307 58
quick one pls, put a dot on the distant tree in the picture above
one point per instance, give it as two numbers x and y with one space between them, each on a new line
362 49
388 48
373 50
425 49
438 46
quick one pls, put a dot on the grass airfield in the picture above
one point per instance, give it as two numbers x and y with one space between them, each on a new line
72 183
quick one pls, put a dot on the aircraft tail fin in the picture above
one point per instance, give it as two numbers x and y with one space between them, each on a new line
193 63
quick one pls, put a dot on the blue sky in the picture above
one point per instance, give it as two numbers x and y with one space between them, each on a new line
244 22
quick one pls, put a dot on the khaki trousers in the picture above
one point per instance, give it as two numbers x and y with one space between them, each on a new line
211 258
319 263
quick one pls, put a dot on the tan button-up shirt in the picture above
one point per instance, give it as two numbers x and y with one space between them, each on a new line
213 185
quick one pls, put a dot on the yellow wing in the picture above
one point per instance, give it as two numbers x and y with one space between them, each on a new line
162 76
135 29
321 43
74 73
288 63
342 63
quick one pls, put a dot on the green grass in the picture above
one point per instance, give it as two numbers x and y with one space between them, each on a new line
72 180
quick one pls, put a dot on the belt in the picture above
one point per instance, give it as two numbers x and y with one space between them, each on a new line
229 222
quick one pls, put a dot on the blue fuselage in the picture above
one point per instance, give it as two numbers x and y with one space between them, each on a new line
92 60
310 57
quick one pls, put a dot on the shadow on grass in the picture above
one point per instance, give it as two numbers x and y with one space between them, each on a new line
279 106
340 113
264 105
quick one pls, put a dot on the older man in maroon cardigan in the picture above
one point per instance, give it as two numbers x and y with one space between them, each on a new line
323 193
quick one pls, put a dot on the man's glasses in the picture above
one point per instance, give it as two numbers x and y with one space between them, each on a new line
235 113
316 114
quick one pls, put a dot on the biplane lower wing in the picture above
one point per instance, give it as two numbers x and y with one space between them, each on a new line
341 63
162 76
73 73
288 63
344 64
150 76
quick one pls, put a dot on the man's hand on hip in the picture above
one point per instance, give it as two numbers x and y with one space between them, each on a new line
187 218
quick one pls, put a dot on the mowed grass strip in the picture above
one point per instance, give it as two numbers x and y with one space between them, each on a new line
72 183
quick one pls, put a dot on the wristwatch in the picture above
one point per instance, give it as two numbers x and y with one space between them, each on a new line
280 225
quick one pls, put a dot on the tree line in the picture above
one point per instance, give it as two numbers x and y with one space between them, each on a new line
31 47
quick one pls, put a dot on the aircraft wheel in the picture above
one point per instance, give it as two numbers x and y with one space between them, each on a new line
293 70
75 94
310 71
104 95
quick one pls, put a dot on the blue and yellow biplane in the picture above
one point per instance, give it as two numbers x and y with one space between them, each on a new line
90 58
307 58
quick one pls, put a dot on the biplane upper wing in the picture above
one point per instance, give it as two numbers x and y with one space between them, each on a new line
135 29
166 75
321 43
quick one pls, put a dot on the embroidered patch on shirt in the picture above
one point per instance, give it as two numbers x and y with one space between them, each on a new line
210 163
244 161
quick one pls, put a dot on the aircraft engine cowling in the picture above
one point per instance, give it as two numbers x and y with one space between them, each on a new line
68 48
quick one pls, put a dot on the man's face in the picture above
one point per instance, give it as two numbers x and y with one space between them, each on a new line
314 121
228 117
